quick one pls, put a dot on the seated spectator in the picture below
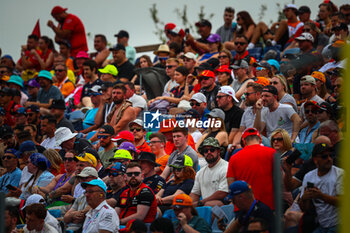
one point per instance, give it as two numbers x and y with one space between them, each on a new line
200 45
57 166
280 141
89 120
69 141
163 54
58 108
225 57
48 128
183 181
124 66
107 219
13 174
188 219
138 102
124 136
33 89
312 124
62 81
45 55
215 45
12 216
138 201
105 135
157 144
136 128
209 88
321 87
17 83
162 225
210 183
129 147
35 219
280 82
117 185
224 75
122 156
91 80
108 73
28 60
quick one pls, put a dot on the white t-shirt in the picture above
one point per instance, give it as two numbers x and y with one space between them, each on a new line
46 229
330 184
196 135
52 221
139 102
280 118
209 180
248 117
103 217
50 143
287 98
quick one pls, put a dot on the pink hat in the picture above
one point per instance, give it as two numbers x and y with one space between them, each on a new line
82 54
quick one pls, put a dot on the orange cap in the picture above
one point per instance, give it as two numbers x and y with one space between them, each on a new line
319 75
182 200
263 81
207 73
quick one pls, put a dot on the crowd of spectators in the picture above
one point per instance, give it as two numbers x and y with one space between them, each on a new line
78 156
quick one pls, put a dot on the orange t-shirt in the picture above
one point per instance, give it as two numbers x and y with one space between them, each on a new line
170 146
144 147
163 162
66 87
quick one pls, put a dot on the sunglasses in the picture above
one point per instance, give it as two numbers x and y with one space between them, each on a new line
102 136
163 58
260 68
59 70
206 150
277 139
248 94
169 67
195 104
7 157
137 129
178 169
205 78
240 43
130 174
310 111
220 96
114 174
224 56
68 159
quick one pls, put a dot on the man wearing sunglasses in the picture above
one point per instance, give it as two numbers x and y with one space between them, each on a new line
323 186
209 88
311 109
210 182
105 135
63 83
198 102
136 128
13 174
241 43
117 183
138 201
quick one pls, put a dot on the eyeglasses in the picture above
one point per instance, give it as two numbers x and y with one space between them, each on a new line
206 150
306 30
89 192
7 157
310 111
204 77
59 70
249 93
169 67
274 83
240 43
223 56
68 159
220 96
154 142
162 58
178 169
130 174
276 139
195 104
114 174
260 68
325 156
137 129
102 136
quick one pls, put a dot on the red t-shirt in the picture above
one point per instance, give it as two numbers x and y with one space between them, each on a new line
78 39
31 58
144 147
254 164
129 200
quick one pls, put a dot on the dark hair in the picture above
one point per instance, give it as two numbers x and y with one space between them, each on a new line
163 225
13 211
130 85
9 69
103 38
33 36
24 136
344 7
181 129
133 164
34 128
62 64
120 86
37 209
182 70
20 127
138 226
147 58
242 36
246 18
92 64
50 119
328 6
229 9
158 135
176 47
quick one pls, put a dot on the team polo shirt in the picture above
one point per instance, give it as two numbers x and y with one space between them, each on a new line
141 196
144 147
254 164
155 182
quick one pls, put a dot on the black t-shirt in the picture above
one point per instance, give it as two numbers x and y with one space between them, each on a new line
233 118
211 97
171 187
260 210
155 182
87 86
116 195
125 70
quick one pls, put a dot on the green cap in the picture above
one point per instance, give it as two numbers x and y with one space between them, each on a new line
16 80
109 69
45 74
182 161
121 154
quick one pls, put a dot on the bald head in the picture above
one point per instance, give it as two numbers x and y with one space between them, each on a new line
323 139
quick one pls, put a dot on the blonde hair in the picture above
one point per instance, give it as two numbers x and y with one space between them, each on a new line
54 157
283 81
287 143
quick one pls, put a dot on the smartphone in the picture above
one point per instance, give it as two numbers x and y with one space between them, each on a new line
187 30
10 187
310 185
293 156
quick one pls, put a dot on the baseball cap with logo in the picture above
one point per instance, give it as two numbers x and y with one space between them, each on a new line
305 36
308 79
213 38
127 146
87 157
58 10
320 149
223 69
182 161
271 89
117 167
58 104
199 97
250 132
109 69
88 171
319 75
207 73
107 129
227 90
182 200
95 90
238 187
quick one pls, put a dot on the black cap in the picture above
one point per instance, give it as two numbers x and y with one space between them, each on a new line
122 33
192 113
58 104
117 47
5 130
32 108
214 63
262 64
148 156
304 9
106 85
271 89
320 149
204 66
203 22
107 129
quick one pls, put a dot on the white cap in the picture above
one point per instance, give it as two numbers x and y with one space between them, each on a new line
88 171
136 121
190 55
305 36
63 134
228 91
199 97
34 199
290 6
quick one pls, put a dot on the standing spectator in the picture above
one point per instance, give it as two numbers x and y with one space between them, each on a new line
124 66
123 38
226 31
69 28
102 52
101 217
204 30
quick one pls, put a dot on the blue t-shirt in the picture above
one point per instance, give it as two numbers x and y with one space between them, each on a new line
171 187
11 178
90 118
45 96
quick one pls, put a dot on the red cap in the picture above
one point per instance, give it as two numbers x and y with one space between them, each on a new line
249 132
126 135
207 73
16 107
223 69
169 26
58 10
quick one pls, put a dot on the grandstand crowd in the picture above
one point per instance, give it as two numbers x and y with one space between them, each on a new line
228 115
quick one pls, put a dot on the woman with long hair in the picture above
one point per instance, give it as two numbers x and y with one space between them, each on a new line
280 82
225 57
281 142
57 166
143 62
45 58
321 87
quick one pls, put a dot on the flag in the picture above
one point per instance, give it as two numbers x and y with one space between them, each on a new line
36 30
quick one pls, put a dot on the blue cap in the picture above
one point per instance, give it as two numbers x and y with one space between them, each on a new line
117 167
39 160
16 80
11 151
26 146
95 182
238 187
274 63
7 56
45 74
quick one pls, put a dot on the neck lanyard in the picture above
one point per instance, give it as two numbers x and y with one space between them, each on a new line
250 210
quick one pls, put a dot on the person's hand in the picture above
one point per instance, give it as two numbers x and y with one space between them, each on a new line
50 24
259 105
79 217
67 198
221 224
15 193
315 192
182 218
189 37
33 52
159 200
35 189
286 166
